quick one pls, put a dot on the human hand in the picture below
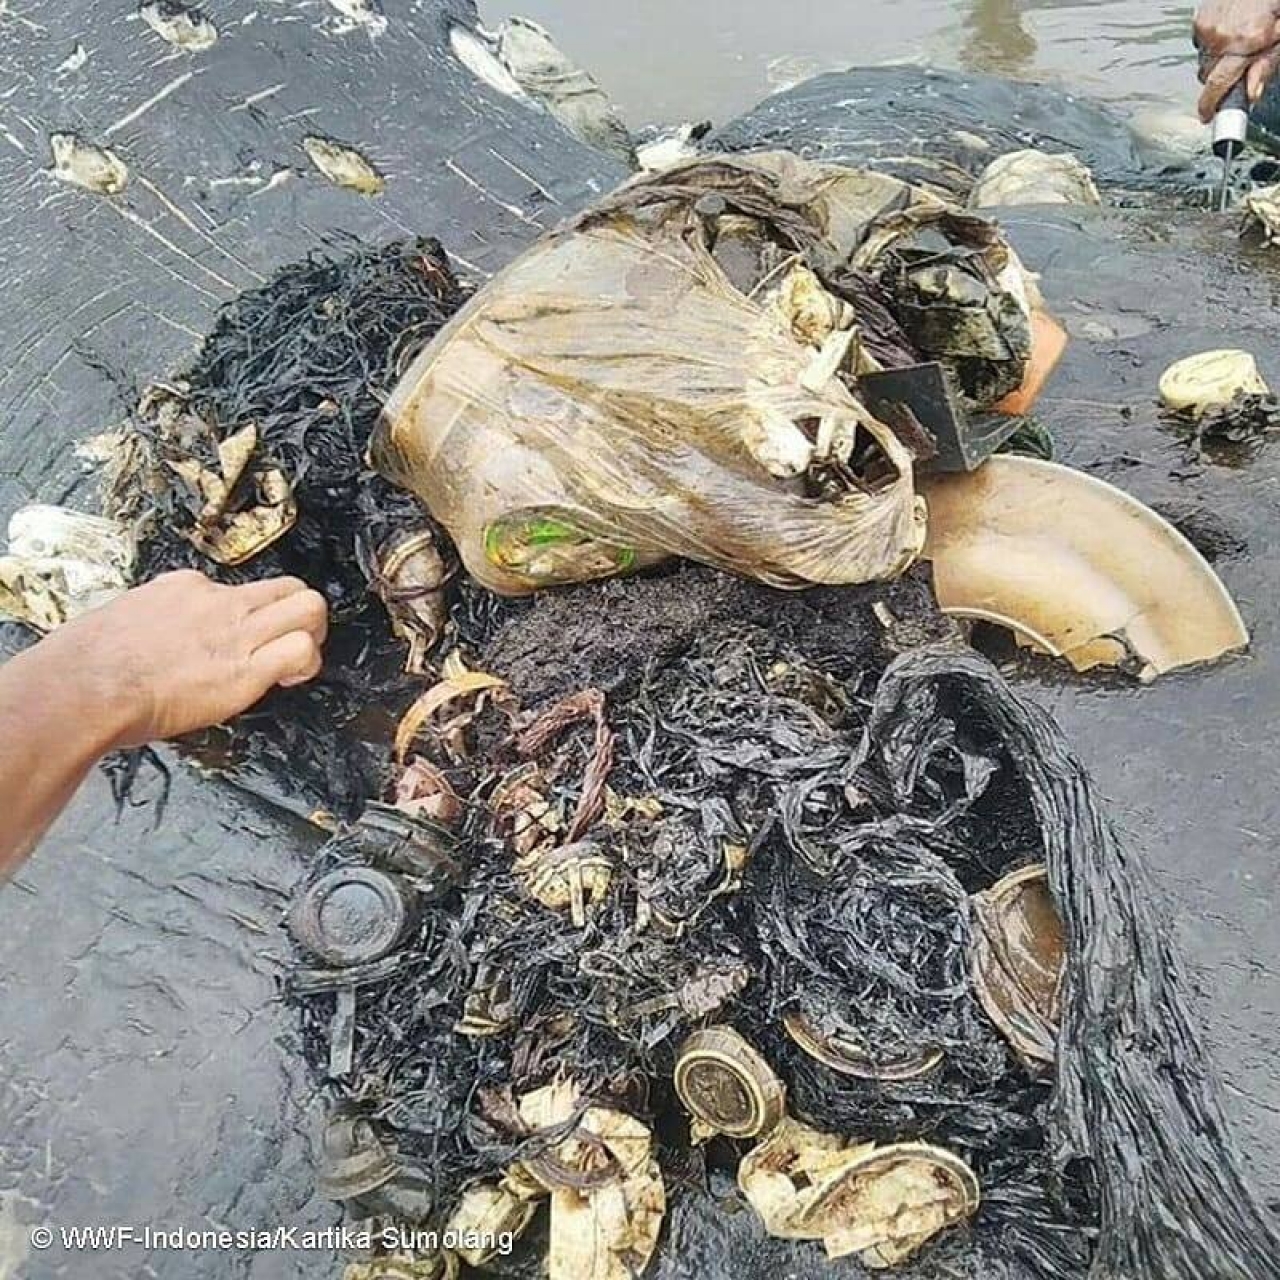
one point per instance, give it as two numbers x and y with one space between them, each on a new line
1238 39
181 653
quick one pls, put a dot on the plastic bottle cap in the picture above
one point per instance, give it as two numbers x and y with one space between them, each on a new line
727 1085
352 916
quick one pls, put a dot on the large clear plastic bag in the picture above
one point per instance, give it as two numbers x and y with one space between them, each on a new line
673 373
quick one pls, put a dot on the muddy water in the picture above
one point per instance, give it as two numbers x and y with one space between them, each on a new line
674 60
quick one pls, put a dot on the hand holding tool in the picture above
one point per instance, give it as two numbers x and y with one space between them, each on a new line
1230 129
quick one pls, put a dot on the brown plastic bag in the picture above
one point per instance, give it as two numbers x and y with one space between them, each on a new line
615 397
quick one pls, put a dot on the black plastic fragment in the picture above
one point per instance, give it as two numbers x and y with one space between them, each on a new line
962 441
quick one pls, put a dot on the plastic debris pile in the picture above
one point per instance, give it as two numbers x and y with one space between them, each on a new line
690 876
849 344
1220 400
253 464
784 904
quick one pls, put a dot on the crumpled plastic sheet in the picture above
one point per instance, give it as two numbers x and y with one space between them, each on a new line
1136 1096
616 398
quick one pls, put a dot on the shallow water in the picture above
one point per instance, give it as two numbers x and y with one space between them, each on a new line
668 60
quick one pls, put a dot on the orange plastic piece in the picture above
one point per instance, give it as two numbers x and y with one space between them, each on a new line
1048 343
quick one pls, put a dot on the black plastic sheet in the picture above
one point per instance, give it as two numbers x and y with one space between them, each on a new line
1135 1094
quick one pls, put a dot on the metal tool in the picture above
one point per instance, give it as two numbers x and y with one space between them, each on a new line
1230 129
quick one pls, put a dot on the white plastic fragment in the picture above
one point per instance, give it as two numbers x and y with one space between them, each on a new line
606 1230
485 1215
609 1233
343 166
807 310
670 147
1211 380
829 360
74 60
84 164
1034 177
1262 209
61 564
181 26
777 444
362 13
883 1204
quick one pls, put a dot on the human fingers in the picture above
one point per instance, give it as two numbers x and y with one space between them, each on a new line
1226 73
1261 72
257 595
288 660
304 610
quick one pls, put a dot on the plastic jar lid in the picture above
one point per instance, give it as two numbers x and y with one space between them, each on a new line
352 916
724 1083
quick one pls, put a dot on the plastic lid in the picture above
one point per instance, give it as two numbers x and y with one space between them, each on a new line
724 1083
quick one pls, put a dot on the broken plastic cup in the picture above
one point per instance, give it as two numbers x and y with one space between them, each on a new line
1075 568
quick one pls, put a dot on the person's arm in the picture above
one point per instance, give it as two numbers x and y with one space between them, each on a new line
1240 39
178 654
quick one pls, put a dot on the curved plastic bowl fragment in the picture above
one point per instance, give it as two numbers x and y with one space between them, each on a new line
1075 568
